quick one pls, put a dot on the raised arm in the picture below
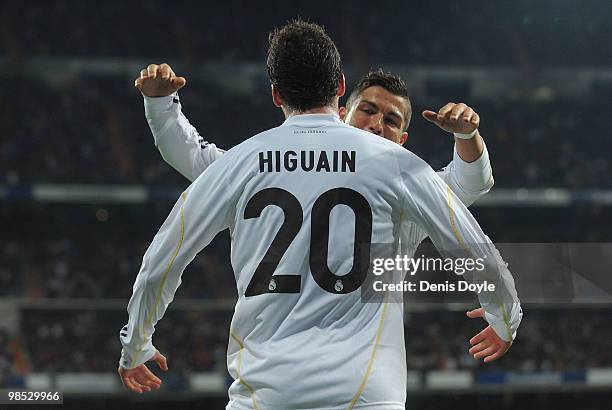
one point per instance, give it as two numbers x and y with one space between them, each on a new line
176 139
469 174
431 203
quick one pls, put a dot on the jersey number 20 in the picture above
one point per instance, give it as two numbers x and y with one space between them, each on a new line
264 281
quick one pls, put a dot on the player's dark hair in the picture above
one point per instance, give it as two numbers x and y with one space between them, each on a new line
390 82
303 65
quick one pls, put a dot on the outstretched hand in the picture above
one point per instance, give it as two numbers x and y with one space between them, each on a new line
487 343
453 117
158 81
140 379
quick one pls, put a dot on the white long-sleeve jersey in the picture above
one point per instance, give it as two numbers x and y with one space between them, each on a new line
183 148
303 202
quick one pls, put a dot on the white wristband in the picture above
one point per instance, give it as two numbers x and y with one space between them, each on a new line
465 136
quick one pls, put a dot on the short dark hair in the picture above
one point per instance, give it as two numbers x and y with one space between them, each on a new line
390 82
303 65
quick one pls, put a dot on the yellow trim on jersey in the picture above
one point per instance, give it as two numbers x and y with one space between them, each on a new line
372 356
240 379
149 319
451 214
451 217
491 180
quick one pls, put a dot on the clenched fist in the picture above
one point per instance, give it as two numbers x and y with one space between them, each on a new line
158 81
453 117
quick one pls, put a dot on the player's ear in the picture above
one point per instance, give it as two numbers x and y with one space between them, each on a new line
341 85
276 98
403 138
342 113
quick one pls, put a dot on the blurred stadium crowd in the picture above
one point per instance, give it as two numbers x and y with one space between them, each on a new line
100 121
99 256
105 138
61 341
406 32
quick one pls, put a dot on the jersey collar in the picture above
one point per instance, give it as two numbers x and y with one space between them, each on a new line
312 120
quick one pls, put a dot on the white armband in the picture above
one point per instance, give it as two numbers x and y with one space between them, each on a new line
465 136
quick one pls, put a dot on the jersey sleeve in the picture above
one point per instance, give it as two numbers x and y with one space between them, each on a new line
176 139
431 203
469 180
203 210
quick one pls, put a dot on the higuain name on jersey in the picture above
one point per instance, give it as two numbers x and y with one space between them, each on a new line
315 161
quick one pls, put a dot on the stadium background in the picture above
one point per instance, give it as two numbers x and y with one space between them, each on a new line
83 189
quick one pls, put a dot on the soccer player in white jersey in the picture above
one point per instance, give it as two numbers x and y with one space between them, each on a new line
301 337
379 104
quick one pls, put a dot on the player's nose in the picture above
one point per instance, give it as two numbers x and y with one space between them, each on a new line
375 126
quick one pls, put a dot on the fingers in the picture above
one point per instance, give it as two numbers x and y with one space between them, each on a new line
140 379
166 80
479 337
488 345
127 380
167 74
147 380
467 114
143 388
454 112
442 113
150 377
178 82
486 352
479 347
472 314
131 384
139 383
475 119
486 348
165 71
494 356
161 361
455 117
430 116
153 70
457 111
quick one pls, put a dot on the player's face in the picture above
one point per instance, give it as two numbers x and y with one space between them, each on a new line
380 112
